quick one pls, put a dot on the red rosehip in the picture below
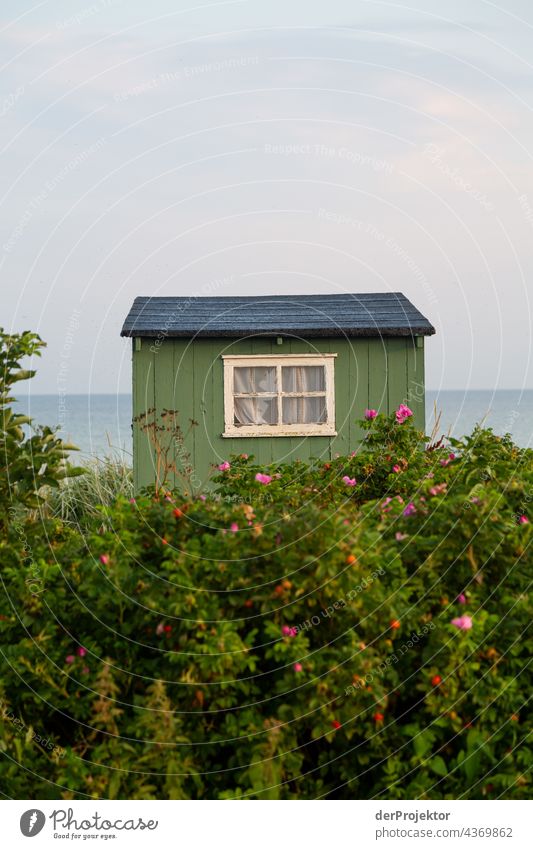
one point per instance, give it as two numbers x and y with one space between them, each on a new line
378 717
167 629
177 513
436 680
395 624
335 724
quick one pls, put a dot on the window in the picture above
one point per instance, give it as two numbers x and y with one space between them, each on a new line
279 395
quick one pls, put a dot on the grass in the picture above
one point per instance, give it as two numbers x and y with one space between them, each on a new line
77 499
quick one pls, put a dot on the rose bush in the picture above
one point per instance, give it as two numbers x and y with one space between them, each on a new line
286 636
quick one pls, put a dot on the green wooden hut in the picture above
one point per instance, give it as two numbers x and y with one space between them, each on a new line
281 377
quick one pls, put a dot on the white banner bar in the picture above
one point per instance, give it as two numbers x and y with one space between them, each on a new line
268 825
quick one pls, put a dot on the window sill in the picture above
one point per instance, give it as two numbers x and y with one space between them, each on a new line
274 430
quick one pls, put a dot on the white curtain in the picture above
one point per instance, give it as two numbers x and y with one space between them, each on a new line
303 410
303 379
256 398
258 409
254 379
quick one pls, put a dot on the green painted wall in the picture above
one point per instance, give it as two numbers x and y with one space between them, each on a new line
187 375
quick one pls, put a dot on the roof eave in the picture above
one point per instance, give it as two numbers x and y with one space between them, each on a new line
155 333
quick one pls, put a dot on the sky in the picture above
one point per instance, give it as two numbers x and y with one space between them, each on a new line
252 147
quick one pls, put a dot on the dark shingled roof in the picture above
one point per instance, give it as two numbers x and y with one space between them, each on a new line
379 314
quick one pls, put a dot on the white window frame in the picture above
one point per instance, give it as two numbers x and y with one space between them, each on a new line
231 361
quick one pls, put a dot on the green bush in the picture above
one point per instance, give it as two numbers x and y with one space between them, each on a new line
301 637
28 464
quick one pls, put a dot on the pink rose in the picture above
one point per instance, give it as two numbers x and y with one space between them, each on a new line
400 537
104 559
396 468
234 527
410 509
265 479
81 652
223 467
461 598
523 520
70 658
402 413
297 667
464 623
349 481
286 630
370 414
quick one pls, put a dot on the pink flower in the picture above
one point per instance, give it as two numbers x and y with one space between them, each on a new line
370 414
81 652
451 457
297 667
349 481
70 658
461 598
132 501
410 509
104 559
400 537
523 520
464 623
234 527
266 479
402 413
293 632
203 498
244 456
396 468
286 630
223 467
85 670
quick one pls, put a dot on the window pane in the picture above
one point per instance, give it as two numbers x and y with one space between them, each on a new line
259 411
303 378
304 410
254 379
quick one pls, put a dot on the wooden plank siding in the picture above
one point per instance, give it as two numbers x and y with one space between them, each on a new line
143 400
416 396
187 375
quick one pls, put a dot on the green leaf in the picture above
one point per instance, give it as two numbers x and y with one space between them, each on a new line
438 766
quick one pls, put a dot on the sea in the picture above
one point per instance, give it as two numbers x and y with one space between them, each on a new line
100 425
